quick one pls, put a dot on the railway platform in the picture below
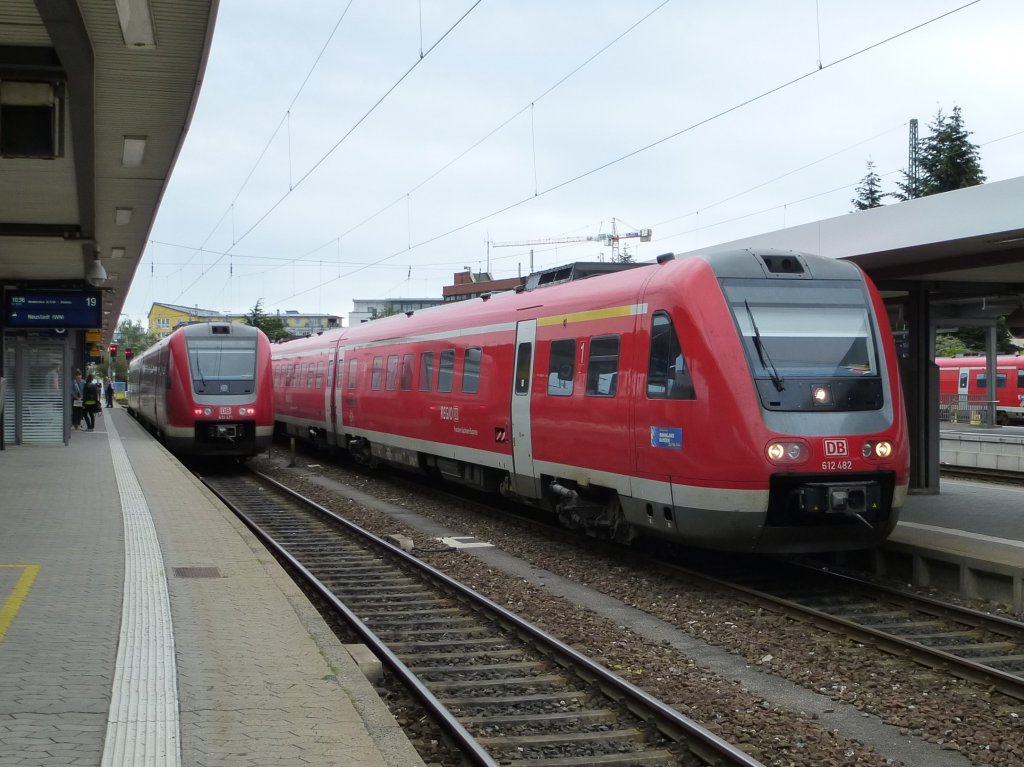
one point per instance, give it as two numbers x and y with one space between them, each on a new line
969 537
142 624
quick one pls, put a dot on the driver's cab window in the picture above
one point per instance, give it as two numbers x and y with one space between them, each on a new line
668 375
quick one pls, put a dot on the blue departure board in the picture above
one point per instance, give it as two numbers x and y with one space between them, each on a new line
53 308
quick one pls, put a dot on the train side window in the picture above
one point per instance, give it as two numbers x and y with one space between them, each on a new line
603 366
408 368
353 368
471 370
330 370
1020 378
983 380
446 371
561 365
310 375
392 382
426 370
668 376
524 357
378 367
963 380
320 374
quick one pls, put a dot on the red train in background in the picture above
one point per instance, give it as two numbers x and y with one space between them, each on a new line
206 389
963 381
739 401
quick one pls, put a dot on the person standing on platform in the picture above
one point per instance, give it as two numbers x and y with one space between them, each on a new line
90 402
108 390
77 395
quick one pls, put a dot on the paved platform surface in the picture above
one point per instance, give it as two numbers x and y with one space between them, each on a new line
142 624
976 519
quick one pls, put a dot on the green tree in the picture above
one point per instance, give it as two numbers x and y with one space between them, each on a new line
273 326
949 345
132 336
976 339
948 160
869 192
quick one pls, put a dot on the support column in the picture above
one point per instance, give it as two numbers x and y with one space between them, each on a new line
991 353
920 378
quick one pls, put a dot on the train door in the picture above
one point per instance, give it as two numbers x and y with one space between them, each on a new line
523 480
663 412
334 391
963 377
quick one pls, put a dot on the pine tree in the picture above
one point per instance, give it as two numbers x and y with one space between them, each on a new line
272 326
947 159
869 193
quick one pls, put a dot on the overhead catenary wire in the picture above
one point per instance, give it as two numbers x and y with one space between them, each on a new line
574 179
348 133
411 245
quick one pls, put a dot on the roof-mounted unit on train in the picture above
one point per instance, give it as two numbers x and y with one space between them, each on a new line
576 271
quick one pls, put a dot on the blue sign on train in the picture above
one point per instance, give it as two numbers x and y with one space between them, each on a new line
669 437
53 308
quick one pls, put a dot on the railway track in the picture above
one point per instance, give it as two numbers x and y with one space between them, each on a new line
979 474
502 690
973 645
978 646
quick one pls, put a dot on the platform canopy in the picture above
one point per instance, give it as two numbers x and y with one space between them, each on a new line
95 101
966 247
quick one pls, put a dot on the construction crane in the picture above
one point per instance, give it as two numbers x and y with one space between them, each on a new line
612 239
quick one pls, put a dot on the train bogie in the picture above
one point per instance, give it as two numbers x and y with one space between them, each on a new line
742 401
206 390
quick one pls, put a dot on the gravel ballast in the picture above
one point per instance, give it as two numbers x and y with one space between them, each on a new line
784 691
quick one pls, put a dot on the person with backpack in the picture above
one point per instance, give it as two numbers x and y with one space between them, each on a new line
90 402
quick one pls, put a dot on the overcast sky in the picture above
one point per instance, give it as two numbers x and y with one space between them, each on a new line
371 150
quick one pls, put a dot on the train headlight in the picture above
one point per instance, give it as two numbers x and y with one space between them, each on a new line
821 395
246 410
787 452
197 411
881 449
207 411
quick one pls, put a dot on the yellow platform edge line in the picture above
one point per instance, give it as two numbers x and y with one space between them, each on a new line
17 597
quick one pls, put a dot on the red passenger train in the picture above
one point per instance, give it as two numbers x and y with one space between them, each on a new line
964 381
206 389
740 401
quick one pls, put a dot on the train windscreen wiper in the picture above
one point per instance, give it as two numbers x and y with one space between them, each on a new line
762 353
199 366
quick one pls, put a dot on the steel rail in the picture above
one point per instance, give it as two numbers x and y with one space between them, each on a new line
670 722
1009 684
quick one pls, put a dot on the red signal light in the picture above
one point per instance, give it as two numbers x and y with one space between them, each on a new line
113 350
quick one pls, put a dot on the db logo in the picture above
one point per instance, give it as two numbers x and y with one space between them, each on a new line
836 447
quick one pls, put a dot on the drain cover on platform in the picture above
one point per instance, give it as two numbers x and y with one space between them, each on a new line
196 572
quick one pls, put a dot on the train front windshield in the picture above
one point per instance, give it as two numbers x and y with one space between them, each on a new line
222 365
804 334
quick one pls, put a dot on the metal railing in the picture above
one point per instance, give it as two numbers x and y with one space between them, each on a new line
967 408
